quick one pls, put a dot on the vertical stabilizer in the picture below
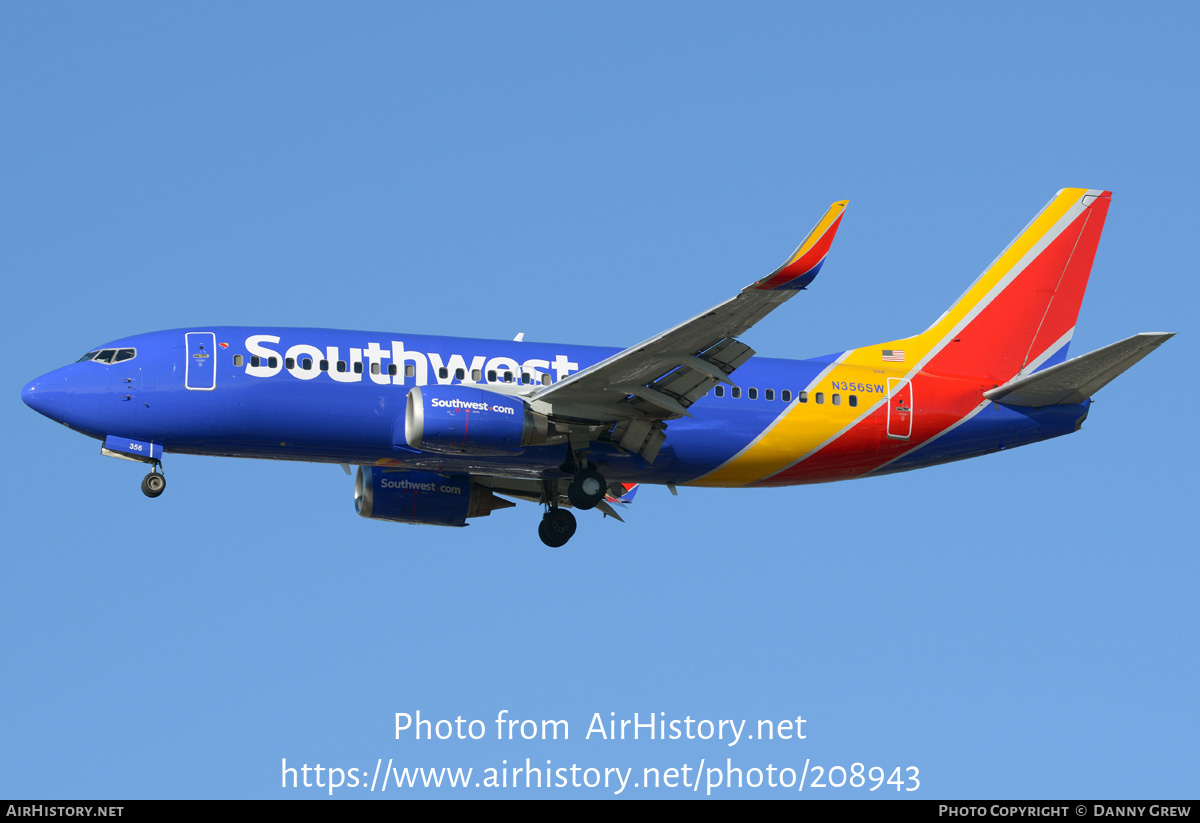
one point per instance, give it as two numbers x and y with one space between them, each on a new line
1019 315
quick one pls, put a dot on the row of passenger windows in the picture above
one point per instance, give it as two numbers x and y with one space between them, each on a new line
109 355
119 355
785 395
503 377
410 370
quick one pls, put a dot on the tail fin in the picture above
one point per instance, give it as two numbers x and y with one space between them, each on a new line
1018 316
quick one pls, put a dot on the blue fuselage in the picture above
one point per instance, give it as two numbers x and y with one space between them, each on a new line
339 396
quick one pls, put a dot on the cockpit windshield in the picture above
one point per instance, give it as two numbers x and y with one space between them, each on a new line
109 355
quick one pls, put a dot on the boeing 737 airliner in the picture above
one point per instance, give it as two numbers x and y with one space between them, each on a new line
443 429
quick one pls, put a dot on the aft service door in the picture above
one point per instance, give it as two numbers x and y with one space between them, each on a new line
899 408
200 370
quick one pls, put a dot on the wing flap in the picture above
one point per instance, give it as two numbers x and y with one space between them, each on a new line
1078 378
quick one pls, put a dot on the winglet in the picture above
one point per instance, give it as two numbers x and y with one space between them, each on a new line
628 491
806 260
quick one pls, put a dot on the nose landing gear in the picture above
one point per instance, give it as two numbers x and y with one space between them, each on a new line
154 483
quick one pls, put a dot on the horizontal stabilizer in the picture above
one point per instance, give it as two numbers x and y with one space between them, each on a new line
1079 378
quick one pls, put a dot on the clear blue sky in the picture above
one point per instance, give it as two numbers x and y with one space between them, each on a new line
1022 625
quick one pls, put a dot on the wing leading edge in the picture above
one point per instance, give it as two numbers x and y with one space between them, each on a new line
660 378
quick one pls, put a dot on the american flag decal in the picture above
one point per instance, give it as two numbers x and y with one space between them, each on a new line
895 355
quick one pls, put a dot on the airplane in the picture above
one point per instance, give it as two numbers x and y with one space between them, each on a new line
446 429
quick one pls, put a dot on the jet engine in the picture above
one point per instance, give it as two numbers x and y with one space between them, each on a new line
422 497
468 420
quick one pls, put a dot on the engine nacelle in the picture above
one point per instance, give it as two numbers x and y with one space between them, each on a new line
467 420
422 497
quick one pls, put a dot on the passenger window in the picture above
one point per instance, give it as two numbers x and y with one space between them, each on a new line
476 375
459 374
392 369
358 367
289 363
508 377
491 375
255 361
802 397
736 392
837 400
787 396
545 380
306 364
273 362
854 400
324 365
237 360
410 370
752 394
719 391
820 397
443 372
770 394
374 368
341 365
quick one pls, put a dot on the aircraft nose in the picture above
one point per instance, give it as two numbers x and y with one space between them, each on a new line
47 395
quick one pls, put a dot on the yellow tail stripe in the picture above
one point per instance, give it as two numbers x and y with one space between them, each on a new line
806 428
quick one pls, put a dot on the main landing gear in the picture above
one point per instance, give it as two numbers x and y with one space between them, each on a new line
587 488
155 482
556 527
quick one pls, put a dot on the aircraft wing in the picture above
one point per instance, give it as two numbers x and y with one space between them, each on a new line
661 377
